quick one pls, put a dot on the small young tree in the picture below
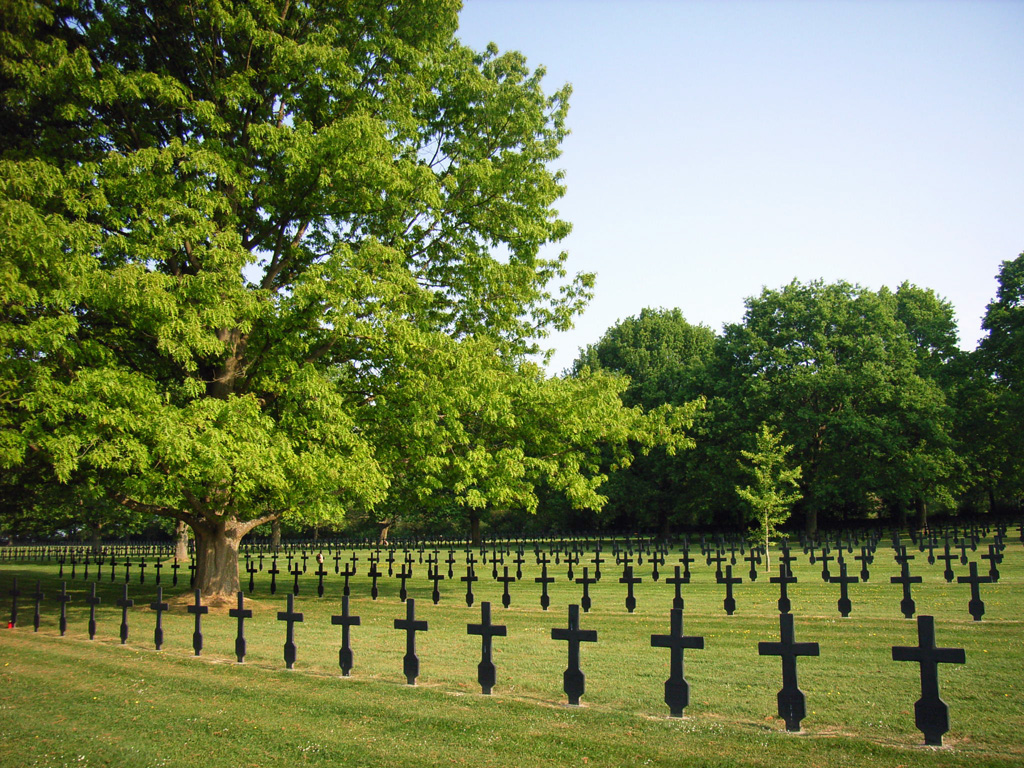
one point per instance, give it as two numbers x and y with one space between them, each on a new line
775 488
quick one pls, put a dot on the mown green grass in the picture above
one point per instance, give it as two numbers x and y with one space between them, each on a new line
79 702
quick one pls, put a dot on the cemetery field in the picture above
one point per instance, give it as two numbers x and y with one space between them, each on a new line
74 701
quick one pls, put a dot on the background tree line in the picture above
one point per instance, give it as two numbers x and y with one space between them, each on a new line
886 416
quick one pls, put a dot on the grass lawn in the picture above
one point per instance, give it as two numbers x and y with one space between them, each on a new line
71 701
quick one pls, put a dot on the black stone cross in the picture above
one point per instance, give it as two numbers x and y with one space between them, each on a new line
931 715
436 576
573 679
469 578
571 558
948 557
486 674
93 601
754 558
597 560
792 706
124 604
844 581
544 580
251 568
63 599
677 690
320 573
506 598
38 595
994 558
975 606
629 580
784 579
411 662
729 580
786 558
586 581
15 593
296 571
718 558
241 613
677 581
656 559
347 622
127 569
291 617
866 558
686 559
404 574
348 573
159 606
142 571
907 604
825 557
374 574
197 636
174 570
519 560
273 570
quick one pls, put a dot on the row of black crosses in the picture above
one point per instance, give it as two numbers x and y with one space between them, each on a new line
932 714
717 554
961 537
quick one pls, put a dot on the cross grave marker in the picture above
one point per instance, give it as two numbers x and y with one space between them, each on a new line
291 618
976 607
347 621
198 609
486 673
677 690
63 599
38 595
573 679
124 604
93 601
931 715
241 613
411 662
792 706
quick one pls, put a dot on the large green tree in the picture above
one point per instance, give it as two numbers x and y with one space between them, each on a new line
835 367
229 229
496 432
662 360
994 399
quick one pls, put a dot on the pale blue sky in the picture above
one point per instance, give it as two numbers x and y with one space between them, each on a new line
721 147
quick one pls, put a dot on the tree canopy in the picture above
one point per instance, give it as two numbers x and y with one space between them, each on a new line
271 258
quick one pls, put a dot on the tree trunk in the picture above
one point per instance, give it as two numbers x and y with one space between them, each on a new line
810 520
275 535
922 514
385 529
96 540
217 558
180 541
474 528
666 526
